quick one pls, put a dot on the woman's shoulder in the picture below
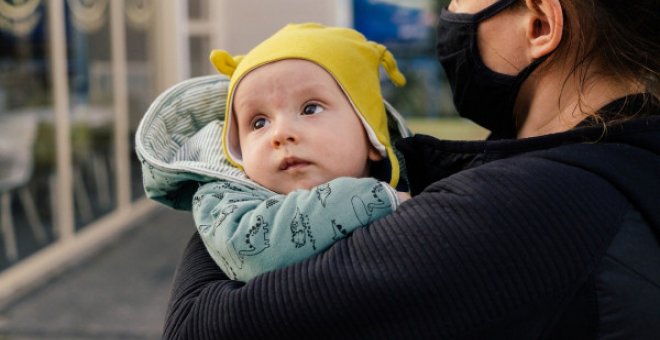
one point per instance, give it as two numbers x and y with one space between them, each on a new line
527 180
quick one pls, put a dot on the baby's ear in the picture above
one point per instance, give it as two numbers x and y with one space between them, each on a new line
224 62
373 154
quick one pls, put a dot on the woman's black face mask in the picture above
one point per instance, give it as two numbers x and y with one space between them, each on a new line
480 94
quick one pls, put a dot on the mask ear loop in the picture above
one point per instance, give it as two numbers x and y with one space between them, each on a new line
389 64
224 62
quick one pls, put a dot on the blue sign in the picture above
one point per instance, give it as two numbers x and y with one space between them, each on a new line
407 28
394 24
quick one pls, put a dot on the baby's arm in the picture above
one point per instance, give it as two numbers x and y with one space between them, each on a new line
248 233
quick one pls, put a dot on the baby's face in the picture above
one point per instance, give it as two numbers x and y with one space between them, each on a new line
296 127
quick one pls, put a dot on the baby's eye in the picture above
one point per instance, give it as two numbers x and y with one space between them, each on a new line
311 109
259 123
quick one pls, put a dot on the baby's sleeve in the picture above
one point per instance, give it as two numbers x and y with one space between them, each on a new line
248 233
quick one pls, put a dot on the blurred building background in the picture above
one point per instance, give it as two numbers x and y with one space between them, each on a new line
76 76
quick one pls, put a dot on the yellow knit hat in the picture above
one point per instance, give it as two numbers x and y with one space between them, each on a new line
345 53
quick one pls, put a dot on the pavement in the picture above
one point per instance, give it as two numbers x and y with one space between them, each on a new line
121 292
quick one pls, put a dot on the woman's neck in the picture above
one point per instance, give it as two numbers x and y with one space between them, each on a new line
553 105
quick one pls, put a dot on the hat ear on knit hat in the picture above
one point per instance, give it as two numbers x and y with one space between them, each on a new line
389 64
224 62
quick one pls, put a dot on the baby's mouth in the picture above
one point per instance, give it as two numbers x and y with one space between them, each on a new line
291 163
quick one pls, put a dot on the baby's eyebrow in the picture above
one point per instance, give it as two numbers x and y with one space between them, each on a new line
242 115
243 105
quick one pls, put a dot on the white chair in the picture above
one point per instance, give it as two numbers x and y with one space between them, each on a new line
17 135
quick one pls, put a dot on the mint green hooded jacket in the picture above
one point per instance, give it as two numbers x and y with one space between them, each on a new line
246 228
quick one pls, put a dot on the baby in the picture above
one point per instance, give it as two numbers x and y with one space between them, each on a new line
305 120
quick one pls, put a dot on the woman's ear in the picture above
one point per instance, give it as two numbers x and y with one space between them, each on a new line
545 26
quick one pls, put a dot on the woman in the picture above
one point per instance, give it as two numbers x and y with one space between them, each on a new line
549 229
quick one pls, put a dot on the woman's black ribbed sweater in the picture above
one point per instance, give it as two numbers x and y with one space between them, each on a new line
546 237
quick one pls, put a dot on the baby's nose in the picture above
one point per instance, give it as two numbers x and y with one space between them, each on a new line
283 132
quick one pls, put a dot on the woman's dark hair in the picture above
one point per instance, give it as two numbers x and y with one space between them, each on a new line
621 37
